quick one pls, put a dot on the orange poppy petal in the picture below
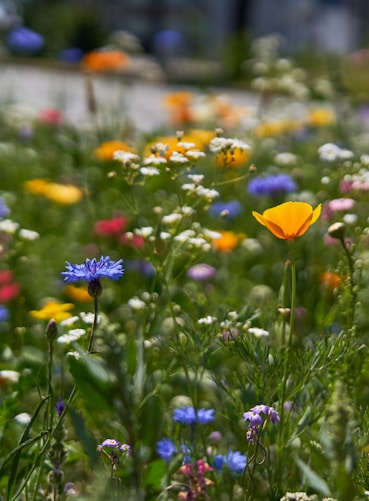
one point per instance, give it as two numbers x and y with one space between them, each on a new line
272 227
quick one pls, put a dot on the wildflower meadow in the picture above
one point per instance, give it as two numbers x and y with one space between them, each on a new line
184 312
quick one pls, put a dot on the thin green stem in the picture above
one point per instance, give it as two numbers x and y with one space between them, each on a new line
94 325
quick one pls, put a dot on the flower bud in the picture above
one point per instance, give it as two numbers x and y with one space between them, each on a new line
337 230
51 330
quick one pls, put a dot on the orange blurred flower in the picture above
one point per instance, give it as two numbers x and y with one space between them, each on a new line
79 294
227 241
179 105
106 150
171 144
331 281
53 310
238 158
289 220
100 61
37 186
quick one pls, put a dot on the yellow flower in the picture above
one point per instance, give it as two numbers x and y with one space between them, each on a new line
106 150
53 310
37 186
78 293
63 194
289 220
321 117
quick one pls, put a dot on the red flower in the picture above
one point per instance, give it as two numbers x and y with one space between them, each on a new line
110 227
132 240
8 292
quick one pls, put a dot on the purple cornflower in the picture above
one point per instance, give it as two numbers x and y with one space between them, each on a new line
235 462
59 406
229 209
24 41
92 270
257 420
272 185
201 271
187 415
166 449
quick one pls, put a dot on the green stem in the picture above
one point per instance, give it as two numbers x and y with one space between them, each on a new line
94 325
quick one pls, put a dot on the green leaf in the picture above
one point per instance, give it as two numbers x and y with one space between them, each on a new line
154 474
84 436
312 478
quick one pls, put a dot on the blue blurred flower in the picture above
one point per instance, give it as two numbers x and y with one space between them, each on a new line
4 209
272 185
144 267
166 449
235 462
4 313
229 209
71 55
24 41
91 270
187 415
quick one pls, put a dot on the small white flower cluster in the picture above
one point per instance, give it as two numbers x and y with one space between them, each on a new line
145 300
208 320
12 228
197 190
71 336
227 144
330 152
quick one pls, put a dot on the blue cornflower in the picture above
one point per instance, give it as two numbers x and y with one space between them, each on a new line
166 449
229 209
4 209
187 415
92 270
4 313
235 462
272 185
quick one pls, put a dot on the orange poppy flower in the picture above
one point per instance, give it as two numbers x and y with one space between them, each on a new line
227 241
289 220
100 60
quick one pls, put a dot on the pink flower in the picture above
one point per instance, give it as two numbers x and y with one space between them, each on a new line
51 116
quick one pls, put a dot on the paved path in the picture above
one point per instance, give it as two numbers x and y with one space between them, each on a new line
138 99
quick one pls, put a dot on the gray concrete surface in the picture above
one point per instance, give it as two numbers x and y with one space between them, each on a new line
136 99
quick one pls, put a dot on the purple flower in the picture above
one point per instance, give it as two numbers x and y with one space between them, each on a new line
254 418
226 209
111 442
187 415
235 462
201 271
166 449
92 270
257 420
59 406
272 185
